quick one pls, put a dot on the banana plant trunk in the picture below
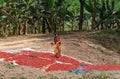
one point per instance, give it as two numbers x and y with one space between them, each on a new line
15 30
94 14
43 26
39 26
72 25
26 27
62 24
81 13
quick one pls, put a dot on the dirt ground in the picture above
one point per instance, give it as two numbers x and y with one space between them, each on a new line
80 45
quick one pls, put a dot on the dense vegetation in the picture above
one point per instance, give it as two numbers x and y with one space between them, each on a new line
21 17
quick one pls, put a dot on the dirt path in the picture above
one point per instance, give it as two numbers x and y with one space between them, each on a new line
18 44
77 45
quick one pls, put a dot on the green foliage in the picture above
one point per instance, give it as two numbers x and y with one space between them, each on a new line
117 3
20 15
73 6
89 6
13 78
1 2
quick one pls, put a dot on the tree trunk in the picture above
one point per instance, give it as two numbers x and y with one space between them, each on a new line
60 24
26 27
49 25
2 29
52 22
102 24
72 25
43 26
94 14
15 30
19 28
63 26
39 26
102 14
33 28
81 13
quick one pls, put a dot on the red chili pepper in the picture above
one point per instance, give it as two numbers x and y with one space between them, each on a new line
41 59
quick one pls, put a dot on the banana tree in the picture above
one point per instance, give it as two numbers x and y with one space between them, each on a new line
106 14
52 16
26 13
9 10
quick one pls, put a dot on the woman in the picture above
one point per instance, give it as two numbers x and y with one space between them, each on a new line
57 47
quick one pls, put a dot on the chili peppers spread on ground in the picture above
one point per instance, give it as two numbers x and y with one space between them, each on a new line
51 63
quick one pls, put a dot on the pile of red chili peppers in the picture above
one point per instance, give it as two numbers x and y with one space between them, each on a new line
51 63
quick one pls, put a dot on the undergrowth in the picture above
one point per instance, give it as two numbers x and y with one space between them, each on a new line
108 39
84 76
111 32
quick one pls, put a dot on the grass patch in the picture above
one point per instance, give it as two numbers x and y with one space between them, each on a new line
13 78
109 39
10 65
96 76
111 32
21 77
102 49
114 62
84 76
49 76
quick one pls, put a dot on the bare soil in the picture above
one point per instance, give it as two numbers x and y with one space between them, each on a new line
85 46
